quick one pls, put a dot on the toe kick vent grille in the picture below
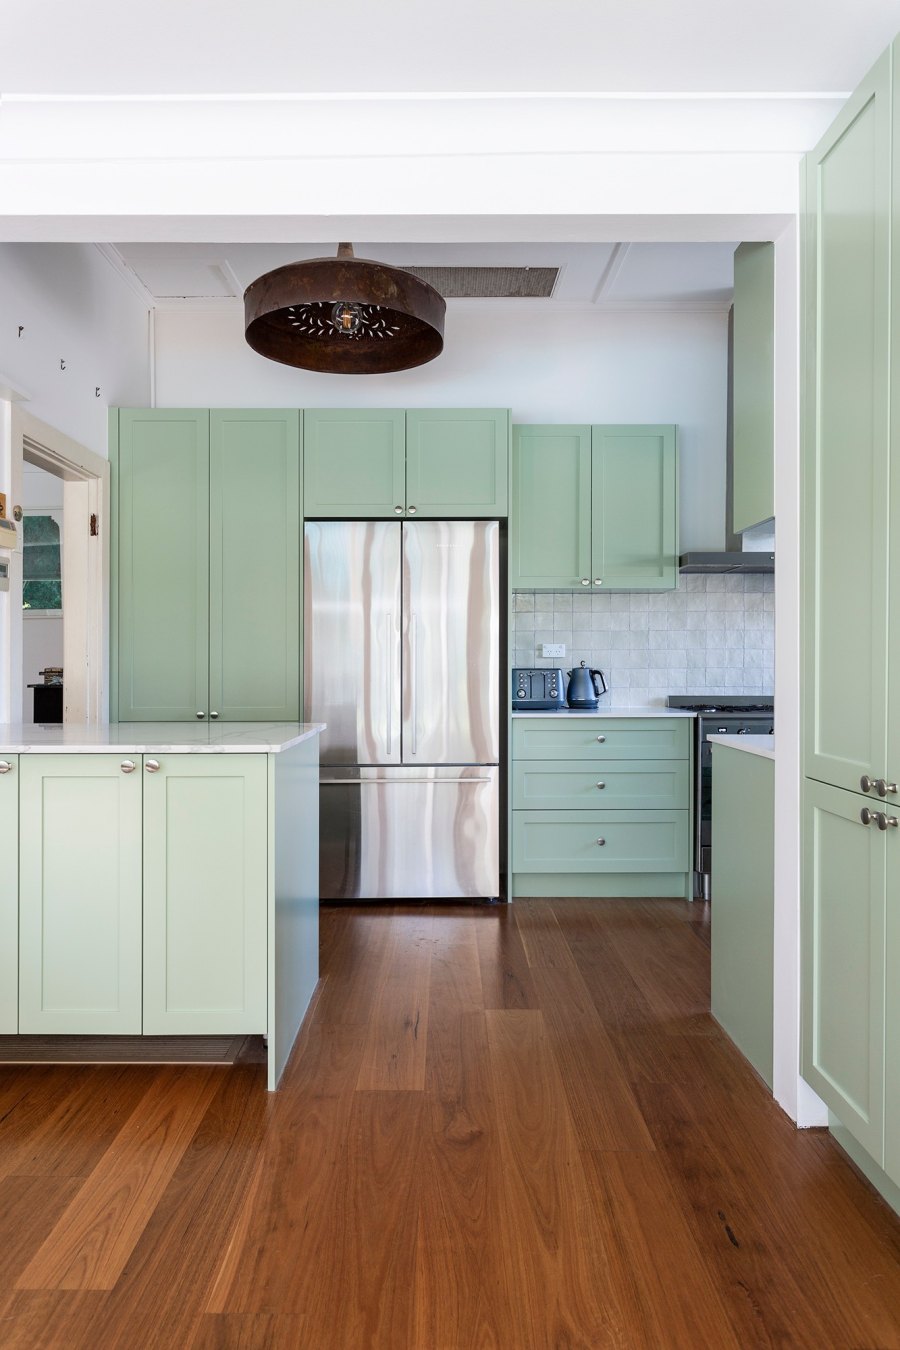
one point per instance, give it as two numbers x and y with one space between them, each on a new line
489 283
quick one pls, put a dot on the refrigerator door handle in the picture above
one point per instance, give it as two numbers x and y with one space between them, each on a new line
389 682
435 782
413 680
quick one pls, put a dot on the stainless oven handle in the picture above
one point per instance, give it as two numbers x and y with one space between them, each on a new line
388 644
413 679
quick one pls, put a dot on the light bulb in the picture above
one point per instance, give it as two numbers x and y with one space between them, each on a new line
346 317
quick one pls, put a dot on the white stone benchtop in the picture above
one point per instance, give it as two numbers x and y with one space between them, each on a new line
148 738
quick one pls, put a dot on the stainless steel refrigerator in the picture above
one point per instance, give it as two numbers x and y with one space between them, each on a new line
401 660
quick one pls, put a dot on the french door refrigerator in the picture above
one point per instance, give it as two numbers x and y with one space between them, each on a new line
401 661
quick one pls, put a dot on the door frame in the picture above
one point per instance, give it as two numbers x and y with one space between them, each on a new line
85 568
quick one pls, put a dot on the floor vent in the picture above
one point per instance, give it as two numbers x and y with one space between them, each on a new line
489 283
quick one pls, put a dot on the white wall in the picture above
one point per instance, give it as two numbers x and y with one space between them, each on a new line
547 363
72 307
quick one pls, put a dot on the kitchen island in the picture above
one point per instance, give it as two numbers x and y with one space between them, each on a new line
159 879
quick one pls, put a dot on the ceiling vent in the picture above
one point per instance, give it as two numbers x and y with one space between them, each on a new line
489 283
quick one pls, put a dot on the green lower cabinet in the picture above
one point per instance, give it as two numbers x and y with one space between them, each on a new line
457 462
657 785
80 894
205 894
601 739
843 955
601 841
9 895
354 462
634 508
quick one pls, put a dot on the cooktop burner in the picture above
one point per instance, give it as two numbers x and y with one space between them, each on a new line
734 704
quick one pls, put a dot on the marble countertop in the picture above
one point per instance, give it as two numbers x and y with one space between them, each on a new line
754 745
138 738
605 710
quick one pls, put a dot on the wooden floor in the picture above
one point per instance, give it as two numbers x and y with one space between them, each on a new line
511 1127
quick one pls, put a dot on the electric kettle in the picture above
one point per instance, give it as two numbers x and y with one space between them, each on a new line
583 690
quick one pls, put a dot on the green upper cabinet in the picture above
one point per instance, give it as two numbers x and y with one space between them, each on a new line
206 593
163 564
634 508
753 385
457 462
387 462
550 525
594 506
354 462
846 320
254 587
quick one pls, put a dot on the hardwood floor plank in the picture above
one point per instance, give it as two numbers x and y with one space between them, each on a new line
250 1331
567 1295
49 1319
505 975
394 1057
29 1207
92 1240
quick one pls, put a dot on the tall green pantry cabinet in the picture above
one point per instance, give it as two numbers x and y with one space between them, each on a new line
851 606
206 596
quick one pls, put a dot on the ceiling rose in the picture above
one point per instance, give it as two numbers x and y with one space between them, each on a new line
347 315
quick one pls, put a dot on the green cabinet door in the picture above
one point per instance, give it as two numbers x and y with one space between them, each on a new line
845 427
892 1005
162 567
843 960
753 385
80 894
354 462
255 565
9 895
206 834
457 462
550 523
634 508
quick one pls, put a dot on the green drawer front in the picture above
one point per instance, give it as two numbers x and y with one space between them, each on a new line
658 785
635 841
602 737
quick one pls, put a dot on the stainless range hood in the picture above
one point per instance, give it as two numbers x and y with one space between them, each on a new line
736 557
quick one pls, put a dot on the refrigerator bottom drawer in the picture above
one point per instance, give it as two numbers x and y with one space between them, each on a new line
409 834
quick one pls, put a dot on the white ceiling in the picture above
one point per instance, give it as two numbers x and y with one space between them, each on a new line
216 46
605 274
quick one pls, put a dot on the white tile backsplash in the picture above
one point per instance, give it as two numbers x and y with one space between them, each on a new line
714 634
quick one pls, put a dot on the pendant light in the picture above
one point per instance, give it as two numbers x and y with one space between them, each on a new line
347 315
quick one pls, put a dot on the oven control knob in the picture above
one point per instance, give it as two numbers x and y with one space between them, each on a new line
742 731
723 731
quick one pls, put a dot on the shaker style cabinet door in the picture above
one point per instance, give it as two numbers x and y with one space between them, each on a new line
457 462
846 319
9 895
550 523
753 385
205 894
162 565
634 508
80 894
354 462
255 595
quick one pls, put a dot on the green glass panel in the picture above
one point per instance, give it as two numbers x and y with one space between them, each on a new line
41 569
42 595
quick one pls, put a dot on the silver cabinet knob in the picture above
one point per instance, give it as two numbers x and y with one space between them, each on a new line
601 842
213 716
398 510
601 739
411 510
585 581
152 765
884 822
5 766
598 581
882 787
127 766
867 816
200 716
601 785
866 783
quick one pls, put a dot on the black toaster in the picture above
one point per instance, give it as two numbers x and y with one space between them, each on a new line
536 690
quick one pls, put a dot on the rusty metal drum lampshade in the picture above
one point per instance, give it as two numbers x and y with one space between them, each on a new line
347 315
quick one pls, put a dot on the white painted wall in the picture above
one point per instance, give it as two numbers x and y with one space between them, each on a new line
73 307
547 363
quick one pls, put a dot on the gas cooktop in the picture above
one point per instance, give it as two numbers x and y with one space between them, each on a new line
726 703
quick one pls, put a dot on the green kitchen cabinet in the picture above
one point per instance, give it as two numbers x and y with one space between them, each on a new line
354 462
206 594
753 386
846 408
9 895
457 462
161 576
550 523
80 894
205 894
386 462
594 506
255 603
600 841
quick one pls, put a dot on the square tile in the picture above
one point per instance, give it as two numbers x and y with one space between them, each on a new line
523 600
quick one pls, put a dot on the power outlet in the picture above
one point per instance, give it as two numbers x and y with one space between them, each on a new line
553 649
